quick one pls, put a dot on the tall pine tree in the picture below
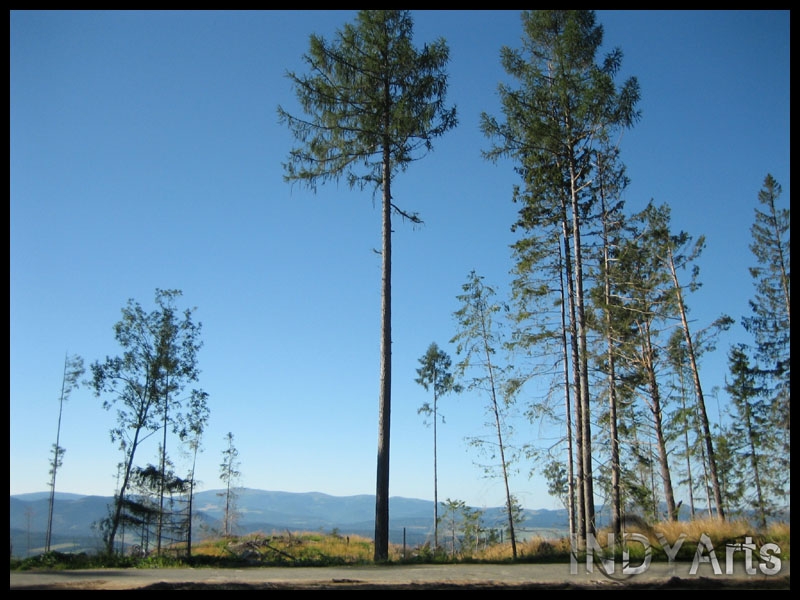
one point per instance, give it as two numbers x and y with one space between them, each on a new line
374 103
478 340
769 322
564 106
73 369
751 427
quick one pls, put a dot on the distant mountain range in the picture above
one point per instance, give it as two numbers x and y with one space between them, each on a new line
265 511
259 510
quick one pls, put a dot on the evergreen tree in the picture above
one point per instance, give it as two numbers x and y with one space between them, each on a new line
434 373
565 105
453 510
646 287
770 322
154 506
478 341
229 473
471 528
729 470
543 328
674 259
683 422
375 103
610 183
73 369
140 512
752 427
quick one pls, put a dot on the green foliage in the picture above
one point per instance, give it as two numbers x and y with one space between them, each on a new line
769 322
453 513
477 337
754 440
771 248
73 369
369 95
426 554
564 104
559 117
159 360
61 560
323 550
229 473
434 373
478 340
471 529
229 467
557 481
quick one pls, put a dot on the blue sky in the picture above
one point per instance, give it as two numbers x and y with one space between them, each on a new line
146 153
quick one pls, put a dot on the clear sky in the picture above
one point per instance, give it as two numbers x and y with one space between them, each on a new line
146 153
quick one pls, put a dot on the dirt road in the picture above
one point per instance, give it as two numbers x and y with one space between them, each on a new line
518 576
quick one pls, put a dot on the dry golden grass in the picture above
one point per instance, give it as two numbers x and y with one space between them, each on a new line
780 534
498 552
302 546
535 547
543 547
779 531
316 547
351 548
717 530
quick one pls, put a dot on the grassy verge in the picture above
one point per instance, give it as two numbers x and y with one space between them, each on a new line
318 549
681 537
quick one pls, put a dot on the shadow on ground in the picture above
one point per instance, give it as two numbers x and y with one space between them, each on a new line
675 583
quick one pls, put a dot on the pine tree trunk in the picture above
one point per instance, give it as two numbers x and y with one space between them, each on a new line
163 471
122 490
644 467
586 430
191 501
686 444
584 525
616 513
56 456
384 416
435 473
581 513
706 482
754 463
688 451
712 463
653 481
568 412
655 407
781 259
502 451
